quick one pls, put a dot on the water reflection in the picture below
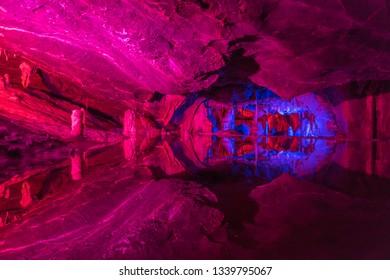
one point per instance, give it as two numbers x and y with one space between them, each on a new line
251 196
297 156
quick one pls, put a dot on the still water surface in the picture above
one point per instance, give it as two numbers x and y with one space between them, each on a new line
203 198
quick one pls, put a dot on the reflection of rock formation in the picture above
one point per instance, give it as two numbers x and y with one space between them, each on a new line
77 165
163 157
36 183
295 155
129 148
26 195
225 211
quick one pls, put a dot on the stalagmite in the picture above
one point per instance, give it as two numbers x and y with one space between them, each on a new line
77 122
26 72
6 80
129 123
77 165
2 86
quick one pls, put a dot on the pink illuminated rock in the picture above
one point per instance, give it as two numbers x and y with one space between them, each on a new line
129 148
77 122
129 123
26 72
6 80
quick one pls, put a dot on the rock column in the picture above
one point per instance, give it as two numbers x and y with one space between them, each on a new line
26 72
129 148
77 122
129 123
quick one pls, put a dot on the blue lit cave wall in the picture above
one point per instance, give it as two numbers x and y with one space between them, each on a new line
259 111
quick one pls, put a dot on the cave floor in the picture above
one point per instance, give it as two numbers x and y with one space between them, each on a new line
206 198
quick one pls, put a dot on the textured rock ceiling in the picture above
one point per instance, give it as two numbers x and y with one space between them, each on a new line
125 50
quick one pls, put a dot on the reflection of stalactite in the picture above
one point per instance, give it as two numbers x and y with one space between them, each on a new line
228 143
284 154
129 148
6 220
77 165
26 195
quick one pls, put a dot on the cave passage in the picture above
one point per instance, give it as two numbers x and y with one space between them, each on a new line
255 177
183 129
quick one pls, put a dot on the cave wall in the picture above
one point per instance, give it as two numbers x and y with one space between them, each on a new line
127 50
360 108
382 105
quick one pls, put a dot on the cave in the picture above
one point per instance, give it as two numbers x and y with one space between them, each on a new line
185 129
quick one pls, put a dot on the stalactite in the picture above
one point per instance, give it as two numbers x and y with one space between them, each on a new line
2 85
129 148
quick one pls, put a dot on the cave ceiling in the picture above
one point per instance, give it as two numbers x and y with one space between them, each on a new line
125 51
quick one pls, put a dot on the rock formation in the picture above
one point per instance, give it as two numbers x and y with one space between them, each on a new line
194 129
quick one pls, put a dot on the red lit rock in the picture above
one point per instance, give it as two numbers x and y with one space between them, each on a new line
26 195
129 123
26 72
6 80
77 123
77 167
